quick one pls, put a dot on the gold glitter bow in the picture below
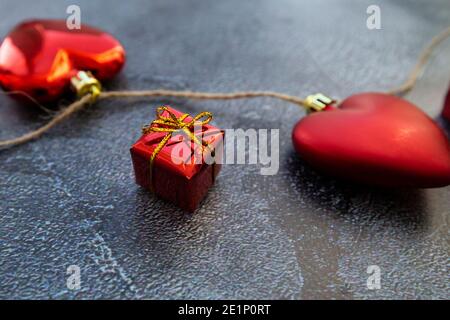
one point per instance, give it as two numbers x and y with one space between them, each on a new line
172 124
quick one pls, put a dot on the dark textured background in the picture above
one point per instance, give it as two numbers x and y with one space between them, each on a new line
70 197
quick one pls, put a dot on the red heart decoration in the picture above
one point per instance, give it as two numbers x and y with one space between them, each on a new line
376 139
39 57
446 111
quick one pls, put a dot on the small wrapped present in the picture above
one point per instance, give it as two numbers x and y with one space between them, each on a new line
446 110
176 156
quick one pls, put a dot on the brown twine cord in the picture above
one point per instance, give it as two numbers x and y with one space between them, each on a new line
421 62
72 108
196 95
87 99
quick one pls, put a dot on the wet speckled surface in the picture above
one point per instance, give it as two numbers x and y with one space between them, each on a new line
70 197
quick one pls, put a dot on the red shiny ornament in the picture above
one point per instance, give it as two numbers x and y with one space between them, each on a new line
39 57
376 139
446 111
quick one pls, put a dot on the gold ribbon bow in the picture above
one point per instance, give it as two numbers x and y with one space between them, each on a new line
172 124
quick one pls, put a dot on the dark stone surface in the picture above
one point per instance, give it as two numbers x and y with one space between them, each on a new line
70 197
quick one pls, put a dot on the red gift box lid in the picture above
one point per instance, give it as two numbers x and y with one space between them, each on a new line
183 164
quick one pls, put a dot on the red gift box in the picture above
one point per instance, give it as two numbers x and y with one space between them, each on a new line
183 166
446 110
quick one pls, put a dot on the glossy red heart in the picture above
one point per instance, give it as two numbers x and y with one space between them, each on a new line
446 110
39 57
376 139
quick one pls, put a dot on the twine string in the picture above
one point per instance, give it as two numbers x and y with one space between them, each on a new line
424 57
407 86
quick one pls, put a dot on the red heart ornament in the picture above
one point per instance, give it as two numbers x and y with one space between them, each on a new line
39 57
375 139
446 110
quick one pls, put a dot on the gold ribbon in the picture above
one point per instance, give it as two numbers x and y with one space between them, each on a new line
172 124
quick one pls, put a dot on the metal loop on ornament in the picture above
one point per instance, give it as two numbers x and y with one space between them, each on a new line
85 83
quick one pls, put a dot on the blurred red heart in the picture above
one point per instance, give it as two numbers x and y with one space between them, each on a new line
376 139
39 57
446 111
